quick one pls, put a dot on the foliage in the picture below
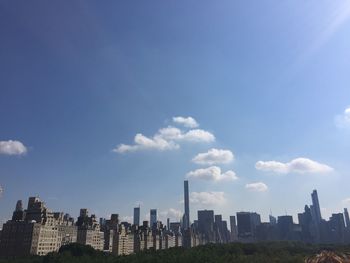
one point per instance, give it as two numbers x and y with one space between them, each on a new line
211 253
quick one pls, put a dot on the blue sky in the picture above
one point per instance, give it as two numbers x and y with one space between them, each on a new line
268 80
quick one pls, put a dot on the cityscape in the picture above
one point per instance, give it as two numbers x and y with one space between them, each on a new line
183 131
38 231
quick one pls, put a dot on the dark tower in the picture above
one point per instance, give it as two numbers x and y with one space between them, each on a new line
187 206
137 216
316 207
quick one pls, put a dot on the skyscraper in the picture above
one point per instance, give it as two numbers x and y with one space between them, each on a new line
187 206
153 217
316 207
247 223
285 227
221 231
347 219
137 216
206 224
233 227
337 227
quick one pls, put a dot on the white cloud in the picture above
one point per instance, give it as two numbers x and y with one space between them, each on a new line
198 135
212 173
1 190
12 148
257 187
299 165
208 198
188 122
174 134
214 156
343 121
171 213
129 219
144 143
169 133
167 138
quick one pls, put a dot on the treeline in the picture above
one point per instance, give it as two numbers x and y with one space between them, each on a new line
236 252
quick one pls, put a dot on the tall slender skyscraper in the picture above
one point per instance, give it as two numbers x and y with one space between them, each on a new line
137 216
187 206
153 217
347 219
316 206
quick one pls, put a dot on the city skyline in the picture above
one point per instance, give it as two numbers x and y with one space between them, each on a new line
110 107
152 215
37 230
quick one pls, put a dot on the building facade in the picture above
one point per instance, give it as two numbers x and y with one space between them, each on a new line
35 231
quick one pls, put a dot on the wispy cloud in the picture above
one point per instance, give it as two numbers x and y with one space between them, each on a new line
212 173
214 156
298 165
208 198
167 138
12 148
257 187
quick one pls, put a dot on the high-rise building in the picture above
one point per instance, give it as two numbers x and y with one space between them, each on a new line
307 228
347 219
221 231
285 227
206 225
336 228
226 232
137 216
153 217
89 230
35 231
233 227
316 207
187 206
246 224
